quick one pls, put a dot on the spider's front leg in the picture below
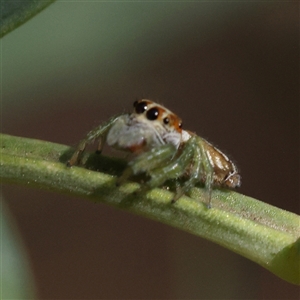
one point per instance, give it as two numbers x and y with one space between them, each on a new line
100 133
207 169
191 160
193 167
198 168
175 168
148 161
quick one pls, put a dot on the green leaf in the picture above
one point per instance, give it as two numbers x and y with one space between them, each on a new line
15 13
263 233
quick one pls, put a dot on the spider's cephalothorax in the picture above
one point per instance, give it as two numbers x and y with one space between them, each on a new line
162 149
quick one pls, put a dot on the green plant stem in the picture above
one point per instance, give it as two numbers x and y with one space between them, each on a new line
263 233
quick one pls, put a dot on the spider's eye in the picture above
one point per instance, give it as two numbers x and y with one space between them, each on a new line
140 107
180 125
166 120
152 114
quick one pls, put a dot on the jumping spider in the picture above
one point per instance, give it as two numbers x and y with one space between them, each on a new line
163 150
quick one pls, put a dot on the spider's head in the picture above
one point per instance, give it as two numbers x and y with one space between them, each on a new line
157 115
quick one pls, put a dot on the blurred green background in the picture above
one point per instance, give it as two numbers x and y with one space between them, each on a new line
229 69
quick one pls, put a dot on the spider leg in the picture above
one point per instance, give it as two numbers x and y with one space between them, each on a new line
174 169
100 133
192 159
201 167
147 161
195 170
208 170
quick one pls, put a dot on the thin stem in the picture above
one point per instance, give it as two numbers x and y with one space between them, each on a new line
261 232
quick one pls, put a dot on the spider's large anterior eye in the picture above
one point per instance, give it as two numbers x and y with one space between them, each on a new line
152 114
140 107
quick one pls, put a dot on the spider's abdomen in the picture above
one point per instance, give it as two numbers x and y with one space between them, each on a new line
225 171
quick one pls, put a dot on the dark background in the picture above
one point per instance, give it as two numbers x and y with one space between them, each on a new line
230 71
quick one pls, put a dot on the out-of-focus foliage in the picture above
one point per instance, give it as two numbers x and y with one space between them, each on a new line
15 277
15 13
